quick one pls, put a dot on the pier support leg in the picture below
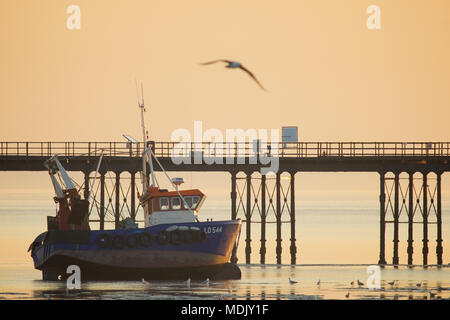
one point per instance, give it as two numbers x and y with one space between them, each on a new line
248 218
233 258
293 246
133 196
117 211
102 201
86 193
410 249
439 249
425 220
396 218
382 259
262 251
278 216
86 184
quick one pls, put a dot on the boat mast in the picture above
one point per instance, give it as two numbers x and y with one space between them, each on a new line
144 136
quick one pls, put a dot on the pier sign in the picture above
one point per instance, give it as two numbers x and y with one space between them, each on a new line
289 134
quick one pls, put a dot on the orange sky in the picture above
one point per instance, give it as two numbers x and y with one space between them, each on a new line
325 71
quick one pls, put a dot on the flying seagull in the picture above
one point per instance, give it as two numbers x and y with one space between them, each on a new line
235 65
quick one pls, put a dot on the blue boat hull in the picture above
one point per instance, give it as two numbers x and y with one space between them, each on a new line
192 250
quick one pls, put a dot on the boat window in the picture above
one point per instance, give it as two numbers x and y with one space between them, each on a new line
176 203
195 201
164 203
188 202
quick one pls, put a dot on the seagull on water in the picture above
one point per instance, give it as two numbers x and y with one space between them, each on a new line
318 282
292 281
352 283
47 296
235 65
418 285
145 282
392 283
347 295
206 282
188 282
360 283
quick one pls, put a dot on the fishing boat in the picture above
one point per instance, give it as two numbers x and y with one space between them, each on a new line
173 243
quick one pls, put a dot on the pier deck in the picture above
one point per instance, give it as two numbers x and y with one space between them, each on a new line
392 160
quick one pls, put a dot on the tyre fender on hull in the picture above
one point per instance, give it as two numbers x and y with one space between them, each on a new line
175 237
104 240
188 236
163 237
145 239
118 241
199 236
132 240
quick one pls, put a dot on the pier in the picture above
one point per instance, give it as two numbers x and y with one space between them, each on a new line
410 181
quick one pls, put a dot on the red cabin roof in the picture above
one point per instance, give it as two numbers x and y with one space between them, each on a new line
156 192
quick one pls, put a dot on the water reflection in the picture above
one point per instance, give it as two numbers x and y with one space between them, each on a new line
268 282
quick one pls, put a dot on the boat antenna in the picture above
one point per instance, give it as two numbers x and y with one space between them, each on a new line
142 93
137 92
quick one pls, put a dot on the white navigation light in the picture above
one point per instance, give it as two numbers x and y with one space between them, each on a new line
177 181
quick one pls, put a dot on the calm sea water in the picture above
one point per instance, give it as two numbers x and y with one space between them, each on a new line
336 239
20 281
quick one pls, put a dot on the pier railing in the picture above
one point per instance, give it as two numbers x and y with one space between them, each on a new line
244 149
